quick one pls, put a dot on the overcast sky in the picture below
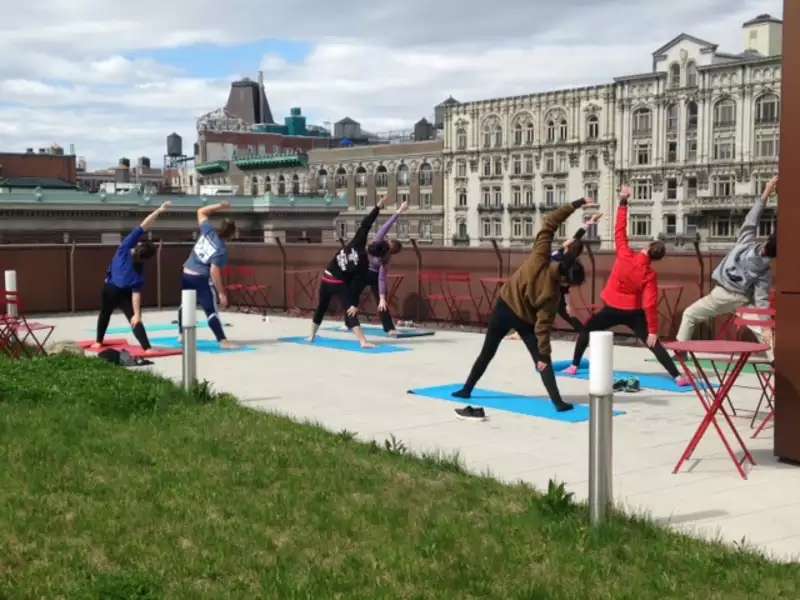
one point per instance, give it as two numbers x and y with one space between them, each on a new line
115 78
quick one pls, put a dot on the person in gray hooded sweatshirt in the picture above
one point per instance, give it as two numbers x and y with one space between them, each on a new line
743 277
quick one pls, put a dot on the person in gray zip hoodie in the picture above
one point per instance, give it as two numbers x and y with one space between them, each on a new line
743 277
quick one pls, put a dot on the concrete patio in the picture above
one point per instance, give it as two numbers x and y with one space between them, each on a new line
366 394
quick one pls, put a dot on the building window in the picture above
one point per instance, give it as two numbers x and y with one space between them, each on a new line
528 196
381 177
516 196
672 189
590 191
767 145
402 197
402 176
725 113
498 197
723 186
642 189
462 229
342 230
562 162
518 134
254 187
691 116
529 134
551 131
461 138
691 74
498 166
402 229
643 154
486 194
675 76
361 201
591 163
322 181
672 152
425 175
642 122
517 164
516 228
487 138
295 184
487 167
723 149
691 187
425 230
766 226
670 225
425 200
361 177
341 178
672 117
562 130
767 109
461 168
268 182
498 136
281 186
497 226
528 164
561 193
462 198
529 227
549 163
640 225
486 227
721 227
593 127
691 150
549 195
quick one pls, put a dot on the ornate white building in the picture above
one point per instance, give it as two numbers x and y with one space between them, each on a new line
697 138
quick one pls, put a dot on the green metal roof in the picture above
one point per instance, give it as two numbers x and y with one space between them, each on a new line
271 161
36 182
24 197
209 168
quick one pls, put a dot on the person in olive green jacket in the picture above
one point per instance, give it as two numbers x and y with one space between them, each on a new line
528 303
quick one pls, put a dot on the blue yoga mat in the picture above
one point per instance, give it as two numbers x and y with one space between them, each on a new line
151 328
208 346
560 365
348 345
651 381
379 332
534 406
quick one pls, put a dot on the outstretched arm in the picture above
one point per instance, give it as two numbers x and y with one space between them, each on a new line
621 226
544 239
204 213
360 238
390 223
150 219
749 228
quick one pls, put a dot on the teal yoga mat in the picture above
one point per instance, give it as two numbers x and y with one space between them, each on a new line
207 346
346 345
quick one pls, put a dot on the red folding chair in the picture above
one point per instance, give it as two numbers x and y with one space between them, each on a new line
764 318
234 288
432 290
24 336
255 294
458 289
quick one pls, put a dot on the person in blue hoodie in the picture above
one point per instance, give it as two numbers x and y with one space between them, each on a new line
125 280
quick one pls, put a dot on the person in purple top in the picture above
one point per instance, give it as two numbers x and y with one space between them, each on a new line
379 253
124 281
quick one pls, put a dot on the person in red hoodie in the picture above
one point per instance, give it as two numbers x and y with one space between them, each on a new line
630 296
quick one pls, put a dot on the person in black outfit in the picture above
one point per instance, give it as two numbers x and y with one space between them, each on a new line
349 263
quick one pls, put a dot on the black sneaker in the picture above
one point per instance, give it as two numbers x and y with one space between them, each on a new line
469 412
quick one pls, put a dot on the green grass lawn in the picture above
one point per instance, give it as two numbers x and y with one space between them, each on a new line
116 484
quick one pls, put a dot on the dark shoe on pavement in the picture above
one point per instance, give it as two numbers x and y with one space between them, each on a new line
619 385
462 393
563 406
470 412
632 385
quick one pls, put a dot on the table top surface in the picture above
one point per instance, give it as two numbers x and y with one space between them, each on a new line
716 346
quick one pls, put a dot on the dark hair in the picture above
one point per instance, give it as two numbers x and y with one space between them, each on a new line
771 246
143 251
395 246
227 229
573 271
380 249
657 250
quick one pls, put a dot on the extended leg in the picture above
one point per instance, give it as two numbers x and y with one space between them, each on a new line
496 330
108 304
719 302
206 297
605 319
548 375
126 305
326 292
385 315
638 323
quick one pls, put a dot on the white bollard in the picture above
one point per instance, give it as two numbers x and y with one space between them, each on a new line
189 331
12 309
601 400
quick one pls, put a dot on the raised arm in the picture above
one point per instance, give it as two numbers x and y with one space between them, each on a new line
150 219
390 223
360 238
204 213
621 226
749 228
544 239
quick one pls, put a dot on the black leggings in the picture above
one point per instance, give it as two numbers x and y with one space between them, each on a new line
574 322
501 321
635 320
118 298
371 280
329 291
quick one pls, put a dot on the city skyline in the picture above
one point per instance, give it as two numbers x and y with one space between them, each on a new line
139 74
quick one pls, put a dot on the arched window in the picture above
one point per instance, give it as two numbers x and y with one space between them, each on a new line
518 134
341 178
591 163
691 115
322 179
497 135
402 175
551 131
295 184
267 185
487 137
642 124
675 76
691 74
593 127
425 175
381 177
361 177
672 117
562 130
768 109
461 138
725 113
281 186
529 134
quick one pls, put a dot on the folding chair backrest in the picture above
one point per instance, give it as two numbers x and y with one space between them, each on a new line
748 316
431 282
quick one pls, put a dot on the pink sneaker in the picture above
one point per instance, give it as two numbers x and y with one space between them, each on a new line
683 381
570 370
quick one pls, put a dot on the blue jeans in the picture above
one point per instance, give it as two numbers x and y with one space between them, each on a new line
207 298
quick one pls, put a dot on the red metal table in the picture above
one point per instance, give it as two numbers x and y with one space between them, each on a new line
306 280
491 287
668 309
394 283
710 398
